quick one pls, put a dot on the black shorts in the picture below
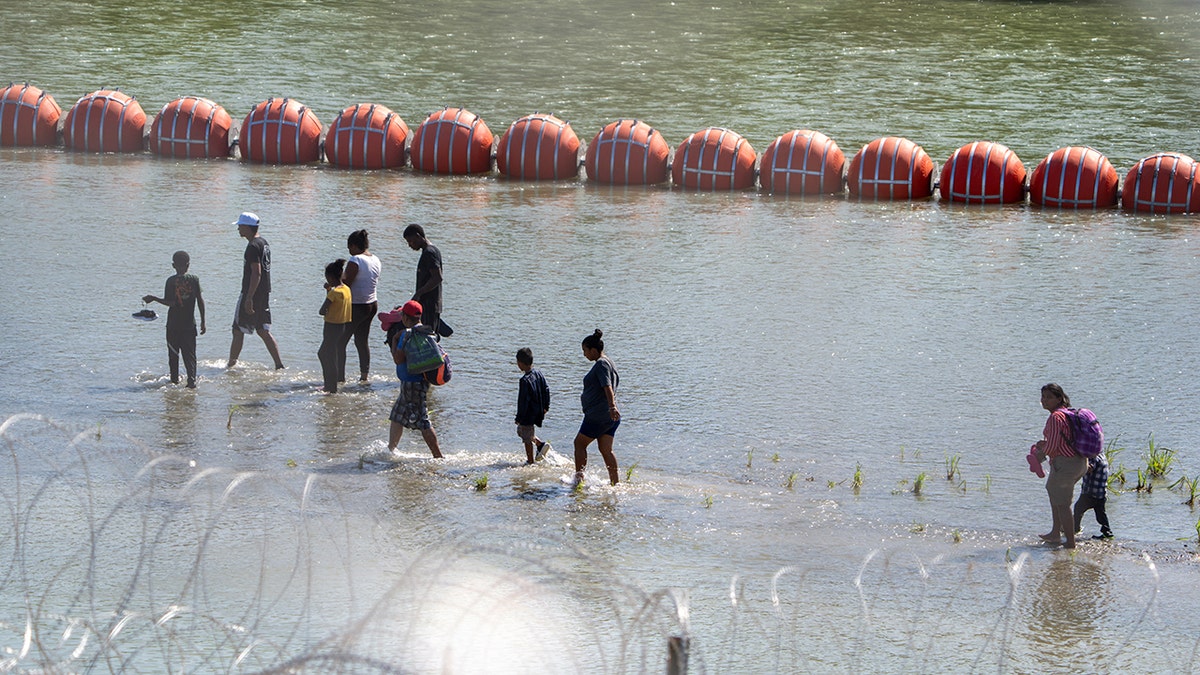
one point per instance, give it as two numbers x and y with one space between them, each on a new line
259 320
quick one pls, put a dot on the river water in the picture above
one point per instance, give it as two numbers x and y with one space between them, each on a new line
769 349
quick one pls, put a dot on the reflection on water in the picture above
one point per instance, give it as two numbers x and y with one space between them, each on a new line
1067 621
155 562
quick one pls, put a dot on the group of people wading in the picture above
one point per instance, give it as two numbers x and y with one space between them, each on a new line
349 309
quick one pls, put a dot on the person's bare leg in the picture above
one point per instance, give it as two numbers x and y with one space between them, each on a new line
235 348
605 443
1064 518
394 433
1056 528
529 452
581 443
272 346
431 440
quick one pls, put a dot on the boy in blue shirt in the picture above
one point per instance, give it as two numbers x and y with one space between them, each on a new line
533 402
182 296
1093 494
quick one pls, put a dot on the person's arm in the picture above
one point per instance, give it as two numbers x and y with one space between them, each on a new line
398 355
200 305
523 394
435 280
350 273
611 395
163 300
1054 441
255 277
325 305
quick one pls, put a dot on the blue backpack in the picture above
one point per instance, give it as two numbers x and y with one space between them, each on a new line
1088 436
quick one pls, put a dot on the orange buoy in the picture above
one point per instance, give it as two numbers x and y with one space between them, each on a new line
281 131
105 121
538 147
453 141
627 152
1164 183
714 159
191 127
1076 177
28 116
983 173
803 162
891 168
367 136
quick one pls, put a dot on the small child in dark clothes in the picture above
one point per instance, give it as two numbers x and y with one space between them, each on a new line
533 402
1093 494
182 296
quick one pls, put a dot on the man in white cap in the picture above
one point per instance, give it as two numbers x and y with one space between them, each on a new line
253 307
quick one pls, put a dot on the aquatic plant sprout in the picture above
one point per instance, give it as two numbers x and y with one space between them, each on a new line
1158 459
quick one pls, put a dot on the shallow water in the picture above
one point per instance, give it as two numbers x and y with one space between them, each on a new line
768 348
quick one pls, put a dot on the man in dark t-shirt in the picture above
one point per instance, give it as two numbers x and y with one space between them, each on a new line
429 277
253 313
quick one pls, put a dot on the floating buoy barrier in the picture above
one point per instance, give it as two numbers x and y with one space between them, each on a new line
624 152
538 147
191 127
1163 183
803 162
452 141
627 152
891 168
714 159
1075 177
367 136
28 116
281 131
983 173
105 121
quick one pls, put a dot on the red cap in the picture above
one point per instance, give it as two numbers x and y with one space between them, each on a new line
412 308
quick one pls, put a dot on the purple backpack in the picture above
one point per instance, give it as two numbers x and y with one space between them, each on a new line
1086 432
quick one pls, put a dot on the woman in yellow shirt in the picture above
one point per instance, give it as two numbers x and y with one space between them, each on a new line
337 311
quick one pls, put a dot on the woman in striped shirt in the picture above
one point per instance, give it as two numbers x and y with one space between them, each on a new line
1066 467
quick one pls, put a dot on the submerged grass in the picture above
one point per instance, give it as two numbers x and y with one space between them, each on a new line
1143 483
952 466
1192 485
919 483
1158 459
